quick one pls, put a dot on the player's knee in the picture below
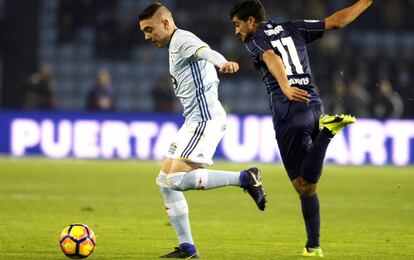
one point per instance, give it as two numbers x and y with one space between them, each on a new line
161 180
303 188
175 181
308 190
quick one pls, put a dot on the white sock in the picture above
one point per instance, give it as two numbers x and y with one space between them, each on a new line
177 210
202 179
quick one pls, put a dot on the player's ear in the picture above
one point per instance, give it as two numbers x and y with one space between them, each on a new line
165 24
251 20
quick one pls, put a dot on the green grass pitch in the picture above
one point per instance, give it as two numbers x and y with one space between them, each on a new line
367 212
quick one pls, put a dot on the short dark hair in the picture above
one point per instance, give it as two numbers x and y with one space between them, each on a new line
246 8
149 11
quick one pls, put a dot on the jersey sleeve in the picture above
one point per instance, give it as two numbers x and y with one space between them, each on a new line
259 44
310 29
188 45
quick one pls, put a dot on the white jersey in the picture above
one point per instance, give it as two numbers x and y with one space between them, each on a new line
195 81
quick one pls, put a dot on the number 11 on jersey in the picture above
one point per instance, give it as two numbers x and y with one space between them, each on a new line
290 55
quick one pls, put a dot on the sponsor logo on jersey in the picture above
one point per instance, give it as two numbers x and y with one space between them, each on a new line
299 81
275 31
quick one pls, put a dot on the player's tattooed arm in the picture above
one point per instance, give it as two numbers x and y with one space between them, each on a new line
347 15
275 65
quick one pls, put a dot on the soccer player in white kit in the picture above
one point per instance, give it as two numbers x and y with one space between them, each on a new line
192 69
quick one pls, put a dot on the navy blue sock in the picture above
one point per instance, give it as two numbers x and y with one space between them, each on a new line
313 163
310 211
244 179
325 131
188 248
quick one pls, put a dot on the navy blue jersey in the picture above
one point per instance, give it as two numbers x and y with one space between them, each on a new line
288 40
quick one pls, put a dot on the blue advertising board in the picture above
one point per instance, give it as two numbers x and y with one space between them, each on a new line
146 136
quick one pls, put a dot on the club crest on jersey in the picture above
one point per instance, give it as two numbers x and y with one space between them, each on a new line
173 148
275 31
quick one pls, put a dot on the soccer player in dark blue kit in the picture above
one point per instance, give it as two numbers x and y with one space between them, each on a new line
303 131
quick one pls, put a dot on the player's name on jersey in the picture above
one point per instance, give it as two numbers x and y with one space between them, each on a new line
275 31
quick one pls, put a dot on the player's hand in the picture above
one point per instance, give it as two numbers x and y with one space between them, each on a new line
229 67
297 94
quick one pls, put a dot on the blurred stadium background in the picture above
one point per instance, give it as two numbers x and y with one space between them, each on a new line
365 69
78 81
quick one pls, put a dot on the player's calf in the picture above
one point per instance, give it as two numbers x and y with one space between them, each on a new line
202 179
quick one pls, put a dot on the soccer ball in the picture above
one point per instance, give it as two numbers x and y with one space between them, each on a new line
77 241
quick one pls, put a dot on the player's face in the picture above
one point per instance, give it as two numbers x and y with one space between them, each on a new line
244 29
154 31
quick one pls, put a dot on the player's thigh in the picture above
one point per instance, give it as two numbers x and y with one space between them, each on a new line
294 139
195 143
166 164
179 166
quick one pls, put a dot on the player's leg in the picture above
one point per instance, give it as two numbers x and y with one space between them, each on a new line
206 179
176 205
311 215
182 178
177 211
305 185
182 170
295 143
324 129
174 201
194 150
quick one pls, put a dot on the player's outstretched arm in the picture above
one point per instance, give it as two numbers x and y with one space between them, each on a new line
347 15
275 65
218 60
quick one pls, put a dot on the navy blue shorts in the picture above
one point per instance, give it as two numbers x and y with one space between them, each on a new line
296 130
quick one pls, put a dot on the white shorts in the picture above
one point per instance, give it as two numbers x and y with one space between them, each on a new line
197 141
